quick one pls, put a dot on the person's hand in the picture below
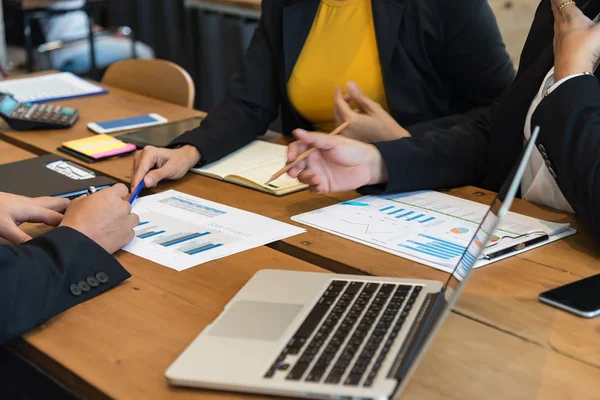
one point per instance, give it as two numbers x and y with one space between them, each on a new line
576 41
369 124
337 164
15 210
153 164
104 217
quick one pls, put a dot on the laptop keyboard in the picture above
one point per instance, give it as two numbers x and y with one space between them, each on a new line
351 330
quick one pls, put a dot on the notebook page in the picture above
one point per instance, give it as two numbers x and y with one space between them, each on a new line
256 162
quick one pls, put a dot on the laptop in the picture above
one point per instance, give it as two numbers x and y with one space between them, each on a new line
329 336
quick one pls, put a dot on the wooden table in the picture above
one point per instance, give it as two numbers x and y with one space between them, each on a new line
500 342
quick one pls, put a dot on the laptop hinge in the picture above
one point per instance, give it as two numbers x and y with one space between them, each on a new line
417 335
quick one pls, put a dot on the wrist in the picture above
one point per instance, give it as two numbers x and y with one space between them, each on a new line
563 71
377 168
191 154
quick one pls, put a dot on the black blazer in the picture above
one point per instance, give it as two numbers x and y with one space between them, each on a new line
438 58
483 151
50 274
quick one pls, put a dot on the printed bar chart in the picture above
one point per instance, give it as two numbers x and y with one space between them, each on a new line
416 217
148 232
196 248
179 238
435 247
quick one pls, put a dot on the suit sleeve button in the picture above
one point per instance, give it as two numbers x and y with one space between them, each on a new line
102 278
93 282
83 286
75 290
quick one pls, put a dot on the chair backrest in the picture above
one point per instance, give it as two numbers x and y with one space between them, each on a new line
159 79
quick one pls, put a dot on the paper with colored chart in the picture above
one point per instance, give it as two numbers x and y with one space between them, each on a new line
429 227
100 146
180 231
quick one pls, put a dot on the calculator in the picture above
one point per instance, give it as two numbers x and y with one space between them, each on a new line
28 116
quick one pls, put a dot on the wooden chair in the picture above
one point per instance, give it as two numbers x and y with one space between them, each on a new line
160 79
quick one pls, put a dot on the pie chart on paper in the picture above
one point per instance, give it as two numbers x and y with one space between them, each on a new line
459 231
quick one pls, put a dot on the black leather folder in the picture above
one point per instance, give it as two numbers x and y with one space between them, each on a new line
49 175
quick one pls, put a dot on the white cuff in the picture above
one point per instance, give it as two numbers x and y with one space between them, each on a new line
563 80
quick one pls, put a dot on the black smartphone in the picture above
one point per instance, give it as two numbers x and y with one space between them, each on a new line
581 297
160 135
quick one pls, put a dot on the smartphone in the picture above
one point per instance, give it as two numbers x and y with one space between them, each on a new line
581 297
124 124
162 135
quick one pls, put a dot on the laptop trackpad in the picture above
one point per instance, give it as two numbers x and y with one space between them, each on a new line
258 320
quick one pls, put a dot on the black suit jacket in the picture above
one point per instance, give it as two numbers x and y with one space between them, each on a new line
483 151
438 58
50 274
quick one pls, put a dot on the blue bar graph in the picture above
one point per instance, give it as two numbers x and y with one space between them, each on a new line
396 211
435 247
416 217
142 223
406 214
190 236
142 232
150 234
426 220
192 252
386 208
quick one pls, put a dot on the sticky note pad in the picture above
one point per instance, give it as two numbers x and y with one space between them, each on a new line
100 146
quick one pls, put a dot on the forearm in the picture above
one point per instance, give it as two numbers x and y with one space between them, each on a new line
229 127
437 158
36 278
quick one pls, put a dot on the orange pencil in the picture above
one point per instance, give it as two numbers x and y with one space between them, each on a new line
304 155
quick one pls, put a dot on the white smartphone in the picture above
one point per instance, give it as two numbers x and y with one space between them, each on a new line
125 124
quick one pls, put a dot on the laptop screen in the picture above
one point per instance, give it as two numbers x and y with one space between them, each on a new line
473 252
499 207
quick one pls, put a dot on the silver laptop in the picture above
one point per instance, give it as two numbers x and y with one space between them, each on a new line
329 336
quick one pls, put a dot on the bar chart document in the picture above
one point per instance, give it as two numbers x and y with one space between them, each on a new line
180 231
428 227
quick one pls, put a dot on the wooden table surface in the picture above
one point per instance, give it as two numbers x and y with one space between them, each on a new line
500 343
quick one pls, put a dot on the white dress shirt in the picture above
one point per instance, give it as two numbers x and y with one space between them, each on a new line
538 184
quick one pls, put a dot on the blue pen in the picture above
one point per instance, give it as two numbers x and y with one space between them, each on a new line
137 191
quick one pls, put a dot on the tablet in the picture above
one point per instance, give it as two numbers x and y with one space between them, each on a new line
161 135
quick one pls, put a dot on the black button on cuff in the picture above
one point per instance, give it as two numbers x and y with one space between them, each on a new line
102 278
83 286
75 290
93 282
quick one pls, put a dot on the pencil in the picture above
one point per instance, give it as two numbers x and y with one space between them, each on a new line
304 155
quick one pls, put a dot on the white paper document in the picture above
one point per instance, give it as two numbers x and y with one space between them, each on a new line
180 231
429 227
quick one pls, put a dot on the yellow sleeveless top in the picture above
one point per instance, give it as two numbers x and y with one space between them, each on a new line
340 47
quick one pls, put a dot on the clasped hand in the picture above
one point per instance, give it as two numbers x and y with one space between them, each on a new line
576 41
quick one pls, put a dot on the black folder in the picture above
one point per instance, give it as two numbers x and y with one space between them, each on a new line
49 175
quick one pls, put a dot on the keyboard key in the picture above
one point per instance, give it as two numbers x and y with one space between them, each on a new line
353 288
352 379
297 372
338 283
312 321
371 287
270 373
387 288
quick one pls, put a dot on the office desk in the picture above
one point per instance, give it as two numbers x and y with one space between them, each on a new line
12 153
532 349
118 345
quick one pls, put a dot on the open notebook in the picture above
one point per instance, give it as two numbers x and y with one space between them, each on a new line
252 166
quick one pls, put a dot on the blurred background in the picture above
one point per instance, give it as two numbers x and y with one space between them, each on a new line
206 37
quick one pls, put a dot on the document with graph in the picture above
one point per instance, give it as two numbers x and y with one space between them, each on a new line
180 231
429 227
